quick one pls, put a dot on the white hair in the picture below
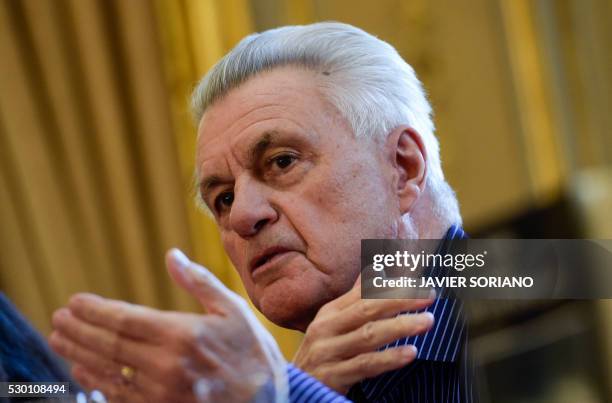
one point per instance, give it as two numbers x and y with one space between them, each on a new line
369 83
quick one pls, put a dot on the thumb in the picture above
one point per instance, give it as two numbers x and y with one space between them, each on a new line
357 283
354 293
214 296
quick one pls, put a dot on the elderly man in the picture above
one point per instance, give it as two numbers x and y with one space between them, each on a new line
310 139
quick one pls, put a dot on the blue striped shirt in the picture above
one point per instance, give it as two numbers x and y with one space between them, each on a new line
440 373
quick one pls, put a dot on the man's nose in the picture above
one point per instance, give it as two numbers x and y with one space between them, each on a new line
251 210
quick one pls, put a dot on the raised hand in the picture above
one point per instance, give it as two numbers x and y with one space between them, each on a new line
340 345
137 354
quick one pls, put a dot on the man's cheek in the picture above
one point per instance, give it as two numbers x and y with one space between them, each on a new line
236 254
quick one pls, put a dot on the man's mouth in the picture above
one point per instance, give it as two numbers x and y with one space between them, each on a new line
266 256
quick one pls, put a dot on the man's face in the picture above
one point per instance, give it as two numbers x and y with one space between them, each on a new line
293 192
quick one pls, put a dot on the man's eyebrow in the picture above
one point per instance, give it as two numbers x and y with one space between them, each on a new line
260 146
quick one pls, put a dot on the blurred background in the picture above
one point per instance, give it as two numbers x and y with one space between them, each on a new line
97 145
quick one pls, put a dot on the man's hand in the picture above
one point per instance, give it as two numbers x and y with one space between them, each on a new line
225 355
339 347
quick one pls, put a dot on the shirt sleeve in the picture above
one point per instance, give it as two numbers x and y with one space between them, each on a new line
303 388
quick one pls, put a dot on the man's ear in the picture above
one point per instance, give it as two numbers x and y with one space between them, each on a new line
406 150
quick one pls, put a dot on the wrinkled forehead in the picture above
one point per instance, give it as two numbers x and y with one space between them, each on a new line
280 100
284 89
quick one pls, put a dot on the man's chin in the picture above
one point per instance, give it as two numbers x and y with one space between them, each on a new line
293 322
289 309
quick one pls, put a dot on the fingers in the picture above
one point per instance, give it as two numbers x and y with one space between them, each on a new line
106 343
368 365
368 310
78 354
136 321
94 363
95 371
376 334
106 352
201 283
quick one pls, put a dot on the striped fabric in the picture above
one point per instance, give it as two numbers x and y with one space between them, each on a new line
441 372
304 388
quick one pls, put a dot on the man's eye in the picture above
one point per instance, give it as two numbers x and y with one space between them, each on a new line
283 161
224 200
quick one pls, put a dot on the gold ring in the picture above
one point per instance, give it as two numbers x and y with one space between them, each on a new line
127 373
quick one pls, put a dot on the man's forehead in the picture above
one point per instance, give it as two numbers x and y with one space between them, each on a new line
282 86
245 117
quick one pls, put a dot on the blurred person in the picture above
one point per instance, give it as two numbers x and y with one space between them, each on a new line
24 353
310 139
